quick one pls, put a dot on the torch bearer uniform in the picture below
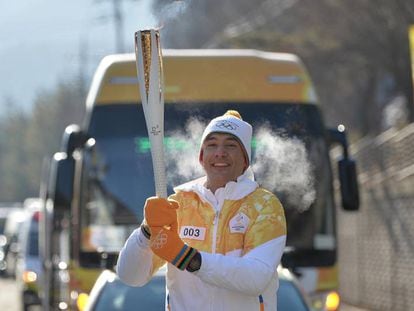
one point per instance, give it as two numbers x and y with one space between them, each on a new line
240 231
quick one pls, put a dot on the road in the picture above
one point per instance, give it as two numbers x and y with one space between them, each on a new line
9 298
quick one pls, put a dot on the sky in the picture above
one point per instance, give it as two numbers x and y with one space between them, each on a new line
40 41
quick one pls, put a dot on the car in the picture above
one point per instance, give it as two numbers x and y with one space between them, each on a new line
5 210
29 266
109 294
9 241
291 296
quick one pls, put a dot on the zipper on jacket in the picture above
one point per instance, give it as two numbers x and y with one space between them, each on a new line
216 216
215 227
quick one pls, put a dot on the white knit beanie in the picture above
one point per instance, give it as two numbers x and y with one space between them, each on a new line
231 123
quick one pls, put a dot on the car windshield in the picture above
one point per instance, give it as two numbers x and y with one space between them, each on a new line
33 239
290 158
289 297
118 296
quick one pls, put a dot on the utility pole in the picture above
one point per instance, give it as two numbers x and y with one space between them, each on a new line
117 17
119 25
83 64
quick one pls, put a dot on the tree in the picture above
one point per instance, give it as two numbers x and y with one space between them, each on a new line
192 24
26 138
13 182
356 50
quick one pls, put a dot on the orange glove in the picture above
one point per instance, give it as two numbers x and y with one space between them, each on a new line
160 212
168 245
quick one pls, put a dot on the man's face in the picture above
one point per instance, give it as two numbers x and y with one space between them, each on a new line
223 159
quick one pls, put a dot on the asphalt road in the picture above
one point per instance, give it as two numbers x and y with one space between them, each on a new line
9 299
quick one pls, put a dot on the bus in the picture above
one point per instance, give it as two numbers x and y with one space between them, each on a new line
97 183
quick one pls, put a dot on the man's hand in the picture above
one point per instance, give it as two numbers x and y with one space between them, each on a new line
168 245
160 212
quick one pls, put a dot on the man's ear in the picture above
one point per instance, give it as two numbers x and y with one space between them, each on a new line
200 156
246 162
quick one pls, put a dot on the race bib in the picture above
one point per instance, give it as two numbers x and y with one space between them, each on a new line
191 232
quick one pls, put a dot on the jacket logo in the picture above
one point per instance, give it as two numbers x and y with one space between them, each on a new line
239 223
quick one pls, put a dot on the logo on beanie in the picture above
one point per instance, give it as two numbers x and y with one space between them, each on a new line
228 125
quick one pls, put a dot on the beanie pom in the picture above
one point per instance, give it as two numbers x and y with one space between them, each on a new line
233 113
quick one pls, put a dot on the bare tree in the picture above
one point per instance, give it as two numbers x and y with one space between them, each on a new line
199 21
27 137
357 51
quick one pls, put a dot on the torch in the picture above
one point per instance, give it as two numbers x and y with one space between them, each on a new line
151 85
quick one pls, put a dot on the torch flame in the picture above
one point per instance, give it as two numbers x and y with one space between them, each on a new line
146 57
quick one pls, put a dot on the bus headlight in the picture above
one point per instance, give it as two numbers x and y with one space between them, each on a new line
82 301
332 301
29 276
327 301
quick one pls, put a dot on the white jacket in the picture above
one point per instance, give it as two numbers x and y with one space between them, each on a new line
240 232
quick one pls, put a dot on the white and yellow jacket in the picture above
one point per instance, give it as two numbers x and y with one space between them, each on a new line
240 232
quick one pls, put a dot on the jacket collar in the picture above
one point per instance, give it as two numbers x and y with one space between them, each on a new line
233 190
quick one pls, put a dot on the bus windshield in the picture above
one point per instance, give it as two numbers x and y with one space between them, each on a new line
290 158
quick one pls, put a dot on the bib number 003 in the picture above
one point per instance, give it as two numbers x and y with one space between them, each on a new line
192 232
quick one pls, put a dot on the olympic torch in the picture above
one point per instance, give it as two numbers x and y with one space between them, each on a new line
151 87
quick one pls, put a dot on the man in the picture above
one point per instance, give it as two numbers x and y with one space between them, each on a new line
221 235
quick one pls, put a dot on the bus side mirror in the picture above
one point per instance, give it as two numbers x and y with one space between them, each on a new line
63 168
347 172
348 181
72 139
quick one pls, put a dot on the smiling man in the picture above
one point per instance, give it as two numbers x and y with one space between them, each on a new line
222 235
223 159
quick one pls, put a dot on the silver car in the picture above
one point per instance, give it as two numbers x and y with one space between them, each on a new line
110 294
28 267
